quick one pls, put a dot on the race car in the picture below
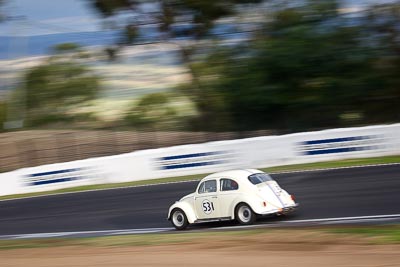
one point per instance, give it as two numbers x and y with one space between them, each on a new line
240 195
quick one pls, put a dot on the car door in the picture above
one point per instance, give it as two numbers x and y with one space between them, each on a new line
206 200
228 192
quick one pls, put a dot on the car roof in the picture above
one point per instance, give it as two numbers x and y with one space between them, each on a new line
239 174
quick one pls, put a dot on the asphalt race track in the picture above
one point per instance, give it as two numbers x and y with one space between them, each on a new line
321 194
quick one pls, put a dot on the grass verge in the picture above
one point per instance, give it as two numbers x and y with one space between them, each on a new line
285 168
382 234
372 235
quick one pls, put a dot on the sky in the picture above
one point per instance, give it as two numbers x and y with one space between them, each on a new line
57 16
49 16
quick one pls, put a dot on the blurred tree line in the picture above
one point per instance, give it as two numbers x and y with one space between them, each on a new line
308 66
3 103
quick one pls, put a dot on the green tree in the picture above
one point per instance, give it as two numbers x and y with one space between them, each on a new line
54 87
305 70
153 111
302 75
66 48
382 95
3 110
206 93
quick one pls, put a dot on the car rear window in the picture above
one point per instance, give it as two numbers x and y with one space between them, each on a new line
258 178
229 185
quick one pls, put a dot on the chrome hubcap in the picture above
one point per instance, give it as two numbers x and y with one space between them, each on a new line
178 218
244 214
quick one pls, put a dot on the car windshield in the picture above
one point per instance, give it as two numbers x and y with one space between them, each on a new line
258 178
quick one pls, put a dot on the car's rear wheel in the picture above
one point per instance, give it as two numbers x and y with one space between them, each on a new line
179 219
244 214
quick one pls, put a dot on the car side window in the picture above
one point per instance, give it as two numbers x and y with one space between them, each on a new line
228 185
208 187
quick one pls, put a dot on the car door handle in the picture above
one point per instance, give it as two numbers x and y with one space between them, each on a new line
214 197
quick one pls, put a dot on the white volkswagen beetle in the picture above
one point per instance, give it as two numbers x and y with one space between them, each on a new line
229 195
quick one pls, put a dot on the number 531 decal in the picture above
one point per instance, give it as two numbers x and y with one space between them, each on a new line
208 206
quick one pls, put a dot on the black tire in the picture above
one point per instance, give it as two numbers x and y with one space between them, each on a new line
244 214
179 219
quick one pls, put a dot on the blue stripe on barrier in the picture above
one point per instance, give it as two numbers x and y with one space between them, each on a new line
52 172
190 165
335 140
60 180
191 155
337 150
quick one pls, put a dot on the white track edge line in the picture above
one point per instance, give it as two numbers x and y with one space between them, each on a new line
106 232
324 220
155 230
346 218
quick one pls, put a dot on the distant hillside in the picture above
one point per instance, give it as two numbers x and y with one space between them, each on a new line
13 46
20 46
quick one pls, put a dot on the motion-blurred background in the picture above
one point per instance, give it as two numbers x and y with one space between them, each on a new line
86 78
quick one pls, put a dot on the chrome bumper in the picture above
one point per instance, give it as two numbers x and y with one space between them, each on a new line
281 211
287 210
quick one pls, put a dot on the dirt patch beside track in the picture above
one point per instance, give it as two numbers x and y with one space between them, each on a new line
300 248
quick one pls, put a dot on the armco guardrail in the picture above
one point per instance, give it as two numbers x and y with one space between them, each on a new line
255 152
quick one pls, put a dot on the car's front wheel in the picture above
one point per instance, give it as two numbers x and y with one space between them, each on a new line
179 219
244 214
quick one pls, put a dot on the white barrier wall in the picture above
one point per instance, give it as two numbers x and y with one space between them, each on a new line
208 157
